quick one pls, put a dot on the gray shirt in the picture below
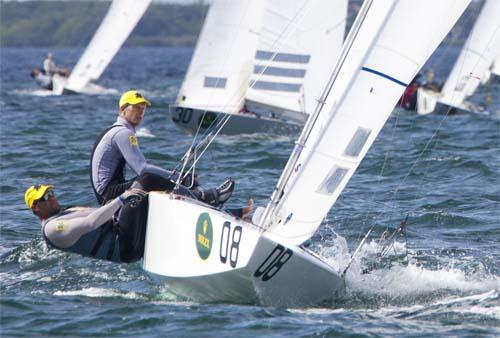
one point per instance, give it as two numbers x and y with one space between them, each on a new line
120 142
66 229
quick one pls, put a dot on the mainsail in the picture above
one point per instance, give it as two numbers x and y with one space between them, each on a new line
118 23
374 74
298 40
477 55
220 68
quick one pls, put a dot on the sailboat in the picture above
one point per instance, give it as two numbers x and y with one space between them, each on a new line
471 67
208 255
120 20
271 69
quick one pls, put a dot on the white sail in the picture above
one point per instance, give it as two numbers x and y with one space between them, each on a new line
298 40
477 55
120 20
357 107
219 72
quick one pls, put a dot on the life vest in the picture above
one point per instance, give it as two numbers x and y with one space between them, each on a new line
409 98
120 240
102 243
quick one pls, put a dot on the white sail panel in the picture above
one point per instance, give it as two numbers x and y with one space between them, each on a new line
219 72
120 20
349 123
477 55
298 40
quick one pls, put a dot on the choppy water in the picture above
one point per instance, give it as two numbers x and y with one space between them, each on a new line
448 183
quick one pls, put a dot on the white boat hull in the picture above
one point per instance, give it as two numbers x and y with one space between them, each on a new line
240 123
429 102
59 88
230 260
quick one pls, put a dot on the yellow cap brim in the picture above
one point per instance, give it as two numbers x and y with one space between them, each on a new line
35 195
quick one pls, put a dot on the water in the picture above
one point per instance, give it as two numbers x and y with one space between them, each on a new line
449 184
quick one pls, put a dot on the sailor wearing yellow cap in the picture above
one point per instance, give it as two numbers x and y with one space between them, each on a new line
89 231
96 232
118 145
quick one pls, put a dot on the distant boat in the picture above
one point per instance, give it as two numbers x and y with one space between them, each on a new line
495 68
471 67
120 20
208 255
262 62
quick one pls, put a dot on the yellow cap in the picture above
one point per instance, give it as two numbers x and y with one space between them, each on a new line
132 97
34 193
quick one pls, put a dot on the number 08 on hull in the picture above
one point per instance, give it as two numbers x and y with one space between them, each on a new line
208 255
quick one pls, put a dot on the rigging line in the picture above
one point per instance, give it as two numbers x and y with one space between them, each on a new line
194 153
209 143
386 158
199 126
390 204
434 134
427 145
443 60
420 155
199 145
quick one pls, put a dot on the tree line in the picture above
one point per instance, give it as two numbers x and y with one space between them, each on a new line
73 23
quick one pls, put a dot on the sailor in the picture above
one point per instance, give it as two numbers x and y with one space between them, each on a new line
408 99
42 79
118 145
114 232
50 68
92 232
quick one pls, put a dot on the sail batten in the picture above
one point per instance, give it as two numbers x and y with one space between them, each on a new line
296 34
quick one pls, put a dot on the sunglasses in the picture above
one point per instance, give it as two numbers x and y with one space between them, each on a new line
49 194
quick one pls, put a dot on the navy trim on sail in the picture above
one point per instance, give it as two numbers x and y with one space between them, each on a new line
282 57
369 70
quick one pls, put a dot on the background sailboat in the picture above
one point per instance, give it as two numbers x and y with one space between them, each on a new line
477 55
120 20
208 255
276 53
495 68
